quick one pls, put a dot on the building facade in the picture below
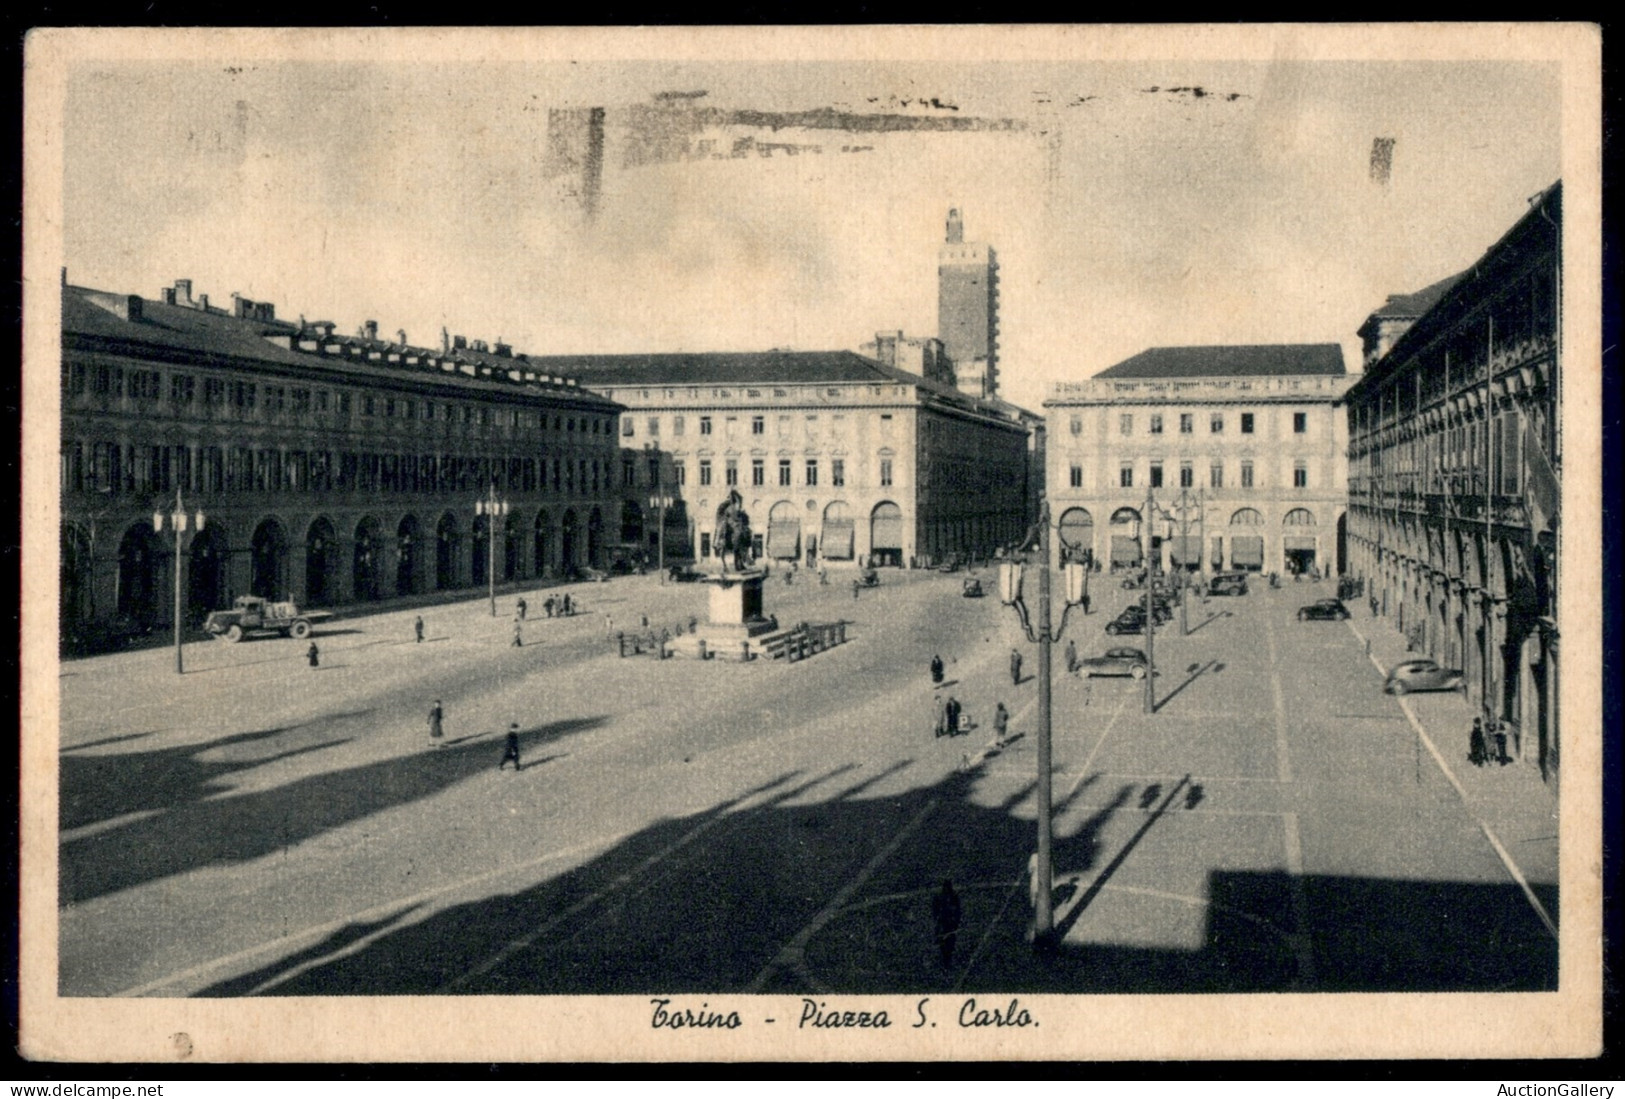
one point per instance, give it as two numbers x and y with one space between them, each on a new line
837 458
1455 463
330 469
1215 457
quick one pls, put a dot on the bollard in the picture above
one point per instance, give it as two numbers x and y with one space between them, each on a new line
700 649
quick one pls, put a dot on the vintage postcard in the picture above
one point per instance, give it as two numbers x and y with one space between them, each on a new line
812 544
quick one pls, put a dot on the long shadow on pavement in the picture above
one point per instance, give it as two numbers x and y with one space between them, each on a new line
194 830
712 901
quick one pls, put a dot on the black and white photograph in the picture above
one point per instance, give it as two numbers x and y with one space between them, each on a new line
840 543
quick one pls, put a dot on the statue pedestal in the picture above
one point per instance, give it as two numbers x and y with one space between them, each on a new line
735 609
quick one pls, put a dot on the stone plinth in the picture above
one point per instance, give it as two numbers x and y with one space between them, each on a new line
735 612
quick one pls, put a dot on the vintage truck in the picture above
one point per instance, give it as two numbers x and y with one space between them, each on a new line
253 613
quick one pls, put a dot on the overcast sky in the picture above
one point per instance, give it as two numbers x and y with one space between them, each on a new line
415 194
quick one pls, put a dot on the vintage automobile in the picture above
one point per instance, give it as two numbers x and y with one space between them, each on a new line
596 576
684 574
868 578
1129 662
1323 610
971 589
951 563
255 614
1229 583
1423 675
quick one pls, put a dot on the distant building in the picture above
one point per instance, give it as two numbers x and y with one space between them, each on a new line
1455 468
968 310
1240 450
922 355
331 469
837 457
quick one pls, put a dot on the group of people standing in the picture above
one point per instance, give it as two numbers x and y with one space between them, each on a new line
950 717
1480 739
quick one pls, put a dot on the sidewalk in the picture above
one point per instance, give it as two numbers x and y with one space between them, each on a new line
1511 803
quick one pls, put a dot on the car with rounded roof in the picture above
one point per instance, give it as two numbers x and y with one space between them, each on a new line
1323 610
1120 661
1423 675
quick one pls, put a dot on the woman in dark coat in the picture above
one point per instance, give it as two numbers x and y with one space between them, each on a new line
936 669
314 655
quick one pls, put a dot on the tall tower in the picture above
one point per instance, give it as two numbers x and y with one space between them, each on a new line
968 310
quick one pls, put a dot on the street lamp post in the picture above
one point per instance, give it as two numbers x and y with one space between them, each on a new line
1010 576
493 508
177 524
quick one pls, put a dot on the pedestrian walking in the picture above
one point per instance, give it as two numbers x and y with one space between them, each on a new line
609 626
314 655
952 710
1085 603
1015 667
1071 657
436 729
936 670
522 608
518 635
823 576
855 588
1001 723
1373 606
946 913
1477 751
417 628
941 725
1500 731
547 605
510 751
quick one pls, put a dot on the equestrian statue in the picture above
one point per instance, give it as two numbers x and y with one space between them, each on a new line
733 533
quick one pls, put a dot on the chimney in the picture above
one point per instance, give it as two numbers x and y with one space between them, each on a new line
445 341
370 330
460 343
203 302
400 336
503 350
182 294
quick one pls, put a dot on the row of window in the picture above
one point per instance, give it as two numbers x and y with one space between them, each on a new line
115 382
1187 475
758 472
116 468
1187 423
758 424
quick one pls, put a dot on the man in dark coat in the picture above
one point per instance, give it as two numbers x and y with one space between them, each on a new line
1071 657
1001 722
436 730
1015 667
523 606
1477 751
417 627
314 655
936 669
945 918
953 709
510 751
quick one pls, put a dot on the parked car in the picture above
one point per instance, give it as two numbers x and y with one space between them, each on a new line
1423 675
951 563
971 589
597 576
1233 583
1132 620
1129 662
868 578
684 574
1323 610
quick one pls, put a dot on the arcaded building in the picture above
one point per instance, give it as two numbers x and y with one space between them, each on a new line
1240 451
1455 466
331 469
838 458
